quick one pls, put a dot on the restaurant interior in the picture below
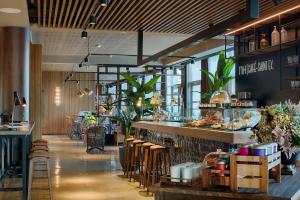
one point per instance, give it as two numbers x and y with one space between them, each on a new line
149 99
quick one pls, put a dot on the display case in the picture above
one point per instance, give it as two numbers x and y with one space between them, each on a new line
227 117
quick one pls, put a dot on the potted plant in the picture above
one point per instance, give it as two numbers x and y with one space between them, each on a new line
280 123
141 105
125 117
221 77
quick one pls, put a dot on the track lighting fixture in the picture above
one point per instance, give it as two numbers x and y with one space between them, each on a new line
84 34
192 61
93 19
86 59
80 65
104 2
71 75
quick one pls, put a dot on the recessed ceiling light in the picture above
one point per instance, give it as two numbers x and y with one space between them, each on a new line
98 45
10 10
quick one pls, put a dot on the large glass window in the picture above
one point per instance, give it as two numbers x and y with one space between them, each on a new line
212 67
173 92
193 89
194 83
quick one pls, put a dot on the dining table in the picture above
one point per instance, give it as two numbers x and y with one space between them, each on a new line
11 147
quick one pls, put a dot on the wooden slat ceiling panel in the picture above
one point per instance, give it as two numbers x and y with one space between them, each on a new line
165 16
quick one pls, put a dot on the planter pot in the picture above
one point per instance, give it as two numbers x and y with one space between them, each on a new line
289 165
122 157
122 151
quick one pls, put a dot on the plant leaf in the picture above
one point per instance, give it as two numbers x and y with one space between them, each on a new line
131 80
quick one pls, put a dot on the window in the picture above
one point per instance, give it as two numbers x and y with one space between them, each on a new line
173 92
212 67
193 89
194 83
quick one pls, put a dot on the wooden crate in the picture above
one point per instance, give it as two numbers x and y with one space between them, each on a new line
212 177
253 171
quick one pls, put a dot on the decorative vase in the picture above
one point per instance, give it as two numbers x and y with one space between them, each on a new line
275 37
263 41
289 164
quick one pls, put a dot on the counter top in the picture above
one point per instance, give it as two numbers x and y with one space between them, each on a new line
25 129
177 128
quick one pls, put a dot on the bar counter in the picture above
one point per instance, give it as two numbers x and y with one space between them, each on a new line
177 128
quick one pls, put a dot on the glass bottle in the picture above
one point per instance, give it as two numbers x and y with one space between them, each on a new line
251 45
263 41
275 37
284 35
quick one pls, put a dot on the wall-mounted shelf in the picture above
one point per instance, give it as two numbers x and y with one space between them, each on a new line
291 66
293 78
268 49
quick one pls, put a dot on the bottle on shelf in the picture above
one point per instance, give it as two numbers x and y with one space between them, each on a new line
284 35
275 37
251 45
263 41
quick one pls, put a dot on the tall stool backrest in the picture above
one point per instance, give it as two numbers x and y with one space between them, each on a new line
96 137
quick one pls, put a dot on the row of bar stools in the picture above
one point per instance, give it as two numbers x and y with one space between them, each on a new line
39 155
135 158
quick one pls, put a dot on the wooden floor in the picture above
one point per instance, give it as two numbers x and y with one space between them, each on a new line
77 175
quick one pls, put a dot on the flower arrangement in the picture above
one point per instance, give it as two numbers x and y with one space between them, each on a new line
90 120
280 123
156 100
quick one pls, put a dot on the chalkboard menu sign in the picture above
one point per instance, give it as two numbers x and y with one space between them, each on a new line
266 76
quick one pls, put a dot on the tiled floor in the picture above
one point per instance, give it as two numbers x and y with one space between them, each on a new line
77 175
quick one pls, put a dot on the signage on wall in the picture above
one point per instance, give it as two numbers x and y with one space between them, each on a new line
256 67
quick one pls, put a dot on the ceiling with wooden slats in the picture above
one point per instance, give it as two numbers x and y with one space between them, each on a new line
165 16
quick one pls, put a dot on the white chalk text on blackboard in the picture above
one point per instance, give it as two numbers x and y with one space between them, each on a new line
255 67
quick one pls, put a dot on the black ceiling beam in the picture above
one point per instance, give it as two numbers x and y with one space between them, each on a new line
140 46
251 12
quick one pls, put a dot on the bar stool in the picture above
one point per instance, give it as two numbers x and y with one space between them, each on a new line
128 156
135 158
39 157
159 164
144 163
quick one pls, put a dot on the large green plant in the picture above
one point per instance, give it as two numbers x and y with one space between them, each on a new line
141 89
125 117
221 77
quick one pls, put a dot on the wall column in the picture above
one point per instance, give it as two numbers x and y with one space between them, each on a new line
35 88
14 68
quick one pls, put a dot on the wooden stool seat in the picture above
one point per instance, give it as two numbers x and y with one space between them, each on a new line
129 139
146 144
157 147
137 141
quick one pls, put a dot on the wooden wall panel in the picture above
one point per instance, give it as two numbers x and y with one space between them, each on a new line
35 90
53 116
